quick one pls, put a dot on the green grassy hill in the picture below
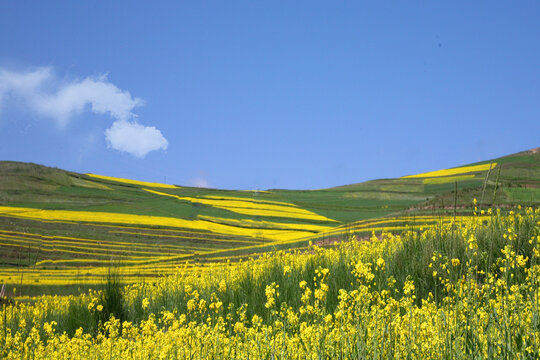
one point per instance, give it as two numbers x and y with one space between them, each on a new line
60 231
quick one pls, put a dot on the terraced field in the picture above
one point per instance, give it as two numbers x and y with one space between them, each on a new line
62 231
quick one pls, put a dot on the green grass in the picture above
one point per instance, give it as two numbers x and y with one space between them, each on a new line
408 261
515 180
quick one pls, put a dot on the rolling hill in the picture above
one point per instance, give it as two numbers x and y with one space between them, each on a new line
61 231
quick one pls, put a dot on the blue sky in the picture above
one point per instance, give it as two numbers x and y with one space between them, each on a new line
274 94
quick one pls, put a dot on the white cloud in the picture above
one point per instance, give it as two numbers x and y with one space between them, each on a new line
134 138
43 93
102 96
22 85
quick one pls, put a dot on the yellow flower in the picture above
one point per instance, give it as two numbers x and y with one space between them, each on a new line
306 295
270 292
408 287
222 286
270 303
191 305
202 305
325 272
455 262
472 243
328 319
521 260
49 327
168 317
99 307
239 327
286 269
256 321
145 303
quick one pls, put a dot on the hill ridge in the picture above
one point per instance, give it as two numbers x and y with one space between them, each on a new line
56 225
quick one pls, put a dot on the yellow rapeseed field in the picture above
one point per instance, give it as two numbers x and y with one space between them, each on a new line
117 218
459 290
133 182
252 207
266 224
454 171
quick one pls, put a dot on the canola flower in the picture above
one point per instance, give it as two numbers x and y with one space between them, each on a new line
479 298
190 238
118 218
75 241
407 222
266 224
251 207
94 256
454 171
133 182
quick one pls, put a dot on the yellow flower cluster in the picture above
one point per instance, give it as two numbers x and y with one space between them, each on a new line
454 171
251 207
64 260
487 312
118 218
133 182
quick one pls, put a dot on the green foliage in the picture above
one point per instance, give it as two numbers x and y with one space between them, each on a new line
112 298
515 179
412 260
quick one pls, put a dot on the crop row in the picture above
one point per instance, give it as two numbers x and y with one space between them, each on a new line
459 290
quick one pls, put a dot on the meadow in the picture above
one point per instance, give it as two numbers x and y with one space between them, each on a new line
464 289
438 265
60 232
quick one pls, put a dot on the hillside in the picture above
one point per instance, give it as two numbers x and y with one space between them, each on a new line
60 231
